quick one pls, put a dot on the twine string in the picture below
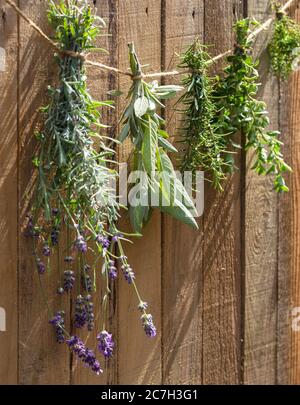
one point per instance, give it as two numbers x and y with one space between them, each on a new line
115 70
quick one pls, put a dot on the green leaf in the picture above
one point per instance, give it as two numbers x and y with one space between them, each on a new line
180 212
124 132
166 144
141 106
149 147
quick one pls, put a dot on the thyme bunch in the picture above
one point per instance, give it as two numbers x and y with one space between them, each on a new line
157 180
284 46
204 144
74 190
242 113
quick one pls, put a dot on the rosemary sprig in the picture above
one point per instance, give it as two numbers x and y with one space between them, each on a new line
241 112
204 144
158 180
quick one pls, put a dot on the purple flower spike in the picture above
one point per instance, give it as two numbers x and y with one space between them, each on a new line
103 241
86 355
55 211
46 251
90 313
69 280
31 231
148 325
59 324
81 244
40 266
112 270
128 273
80 312
106 344
68 259
54 236
143 306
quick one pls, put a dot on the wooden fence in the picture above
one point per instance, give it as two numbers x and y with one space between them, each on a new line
222 297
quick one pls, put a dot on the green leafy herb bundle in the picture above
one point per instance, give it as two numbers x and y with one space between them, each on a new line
284 46
157 180
203 142
74 194
242 113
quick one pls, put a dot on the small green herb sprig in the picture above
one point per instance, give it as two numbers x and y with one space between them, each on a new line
74 194
241 112
204 144
284 46
144 126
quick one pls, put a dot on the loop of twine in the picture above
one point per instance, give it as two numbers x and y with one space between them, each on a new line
141 76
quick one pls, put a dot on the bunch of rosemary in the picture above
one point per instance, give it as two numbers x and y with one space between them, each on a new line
203 142
241 112
284 46
157 184
74 187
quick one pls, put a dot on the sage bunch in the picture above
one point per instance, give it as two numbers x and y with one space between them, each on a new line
74 194
204 145
242 113
145 127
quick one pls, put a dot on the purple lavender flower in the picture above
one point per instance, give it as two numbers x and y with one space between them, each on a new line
112 270
46 251
87 283
81 244
41 268
128 273
90 312
55 211
86 355
31 231
87 267
116 237
68 259
69 280
143 306
54 236
59 324
103 241
106 344
148 325
80 317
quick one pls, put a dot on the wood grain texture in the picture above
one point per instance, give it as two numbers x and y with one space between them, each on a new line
182 246
222 240
293 120
8 196
140 357
261 228
41 359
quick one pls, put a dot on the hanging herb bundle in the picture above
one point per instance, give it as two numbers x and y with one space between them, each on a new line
74 192
242 113
284 46
157 180
204 144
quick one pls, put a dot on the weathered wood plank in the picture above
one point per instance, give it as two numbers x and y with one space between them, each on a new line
288 358
42 360
9 195
261 230
181 245
140 357
222 240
